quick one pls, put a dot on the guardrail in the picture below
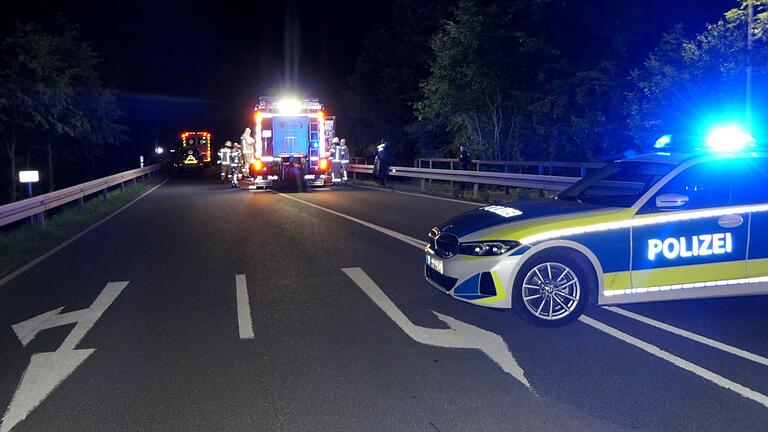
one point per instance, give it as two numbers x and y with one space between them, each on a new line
531 181
35 206
542 166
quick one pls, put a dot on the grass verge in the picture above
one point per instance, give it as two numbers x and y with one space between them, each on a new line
21 245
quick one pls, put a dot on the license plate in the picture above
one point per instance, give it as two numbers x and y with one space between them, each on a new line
435 264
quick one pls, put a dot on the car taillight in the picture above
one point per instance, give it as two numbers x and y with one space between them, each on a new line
323 164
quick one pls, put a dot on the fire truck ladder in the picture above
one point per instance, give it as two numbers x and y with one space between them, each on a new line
314 143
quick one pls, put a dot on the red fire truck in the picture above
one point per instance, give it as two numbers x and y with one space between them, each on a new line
292 138
195 149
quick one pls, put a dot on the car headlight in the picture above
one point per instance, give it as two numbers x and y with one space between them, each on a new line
487 248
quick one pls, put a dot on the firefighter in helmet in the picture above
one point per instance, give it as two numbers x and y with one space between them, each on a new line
344 155
236 161
225 154
333 155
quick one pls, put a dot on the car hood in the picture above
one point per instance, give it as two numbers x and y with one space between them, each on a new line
524 218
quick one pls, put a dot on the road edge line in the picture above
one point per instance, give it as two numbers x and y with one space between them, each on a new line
677 361
392 233
10 276
690 335
419 195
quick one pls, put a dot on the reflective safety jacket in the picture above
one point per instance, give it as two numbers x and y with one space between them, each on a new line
224 155
343 152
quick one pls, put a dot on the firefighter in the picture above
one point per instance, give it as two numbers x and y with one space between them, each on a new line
236 161
333 155
247 142
224 159
344 155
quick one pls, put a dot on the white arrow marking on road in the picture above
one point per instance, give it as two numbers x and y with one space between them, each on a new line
460 334
47 370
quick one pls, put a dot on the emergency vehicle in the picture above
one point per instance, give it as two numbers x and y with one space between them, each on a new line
292 138
688 220
195 149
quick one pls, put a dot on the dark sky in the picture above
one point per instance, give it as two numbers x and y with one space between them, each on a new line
202 64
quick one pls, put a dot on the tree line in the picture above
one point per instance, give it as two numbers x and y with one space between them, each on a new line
550 80
55 110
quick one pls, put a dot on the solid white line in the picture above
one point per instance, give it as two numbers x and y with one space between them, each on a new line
419 195
244 322
693 336
402 237
31 264
677 361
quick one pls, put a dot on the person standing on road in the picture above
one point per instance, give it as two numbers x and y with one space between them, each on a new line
247 150
236 160
333 153
464 159
344 155
225 154
381 162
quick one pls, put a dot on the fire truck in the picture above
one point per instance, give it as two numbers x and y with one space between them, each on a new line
292 139
195 149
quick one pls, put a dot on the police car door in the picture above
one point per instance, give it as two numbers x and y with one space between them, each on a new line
684 238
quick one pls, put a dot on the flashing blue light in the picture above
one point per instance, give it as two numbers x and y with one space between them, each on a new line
729 139
663 141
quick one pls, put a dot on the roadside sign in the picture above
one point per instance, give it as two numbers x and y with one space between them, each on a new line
29 176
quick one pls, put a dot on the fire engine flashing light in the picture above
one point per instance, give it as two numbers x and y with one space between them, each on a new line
289 106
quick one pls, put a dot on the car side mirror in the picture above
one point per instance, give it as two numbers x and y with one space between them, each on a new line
671 200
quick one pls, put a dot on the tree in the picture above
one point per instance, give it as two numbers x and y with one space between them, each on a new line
687 84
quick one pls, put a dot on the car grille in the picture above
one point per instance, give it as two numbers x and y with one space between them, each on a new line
443 281
446 245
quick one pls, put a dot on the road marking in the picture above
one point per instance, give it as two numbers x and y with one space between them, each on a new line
677 361
49 369
684 364
244 322
402 237
420 195
31 264
693 336
460 334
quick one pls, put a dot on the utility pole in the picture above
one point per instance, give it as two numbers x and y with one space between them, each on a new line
750 16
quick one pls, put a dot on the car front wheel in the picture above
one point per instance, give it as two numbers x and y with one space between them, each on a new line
551 290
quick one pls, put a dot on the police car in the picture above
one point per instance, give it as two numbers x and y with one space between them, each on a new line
682 222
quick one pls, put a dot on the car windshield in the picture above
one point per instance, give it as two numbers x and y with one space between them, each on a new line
618 184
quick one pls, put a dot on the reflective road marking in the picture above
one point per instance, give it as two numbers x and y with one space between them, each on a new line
244 322
402 237
460 334
677 361
48 369
693 336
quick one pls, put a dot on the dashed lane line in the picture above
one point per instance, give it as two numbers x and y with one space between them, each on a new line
689 335
244 322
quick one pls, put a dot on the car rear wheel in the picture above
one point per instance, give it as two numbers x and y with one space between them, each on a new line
551 290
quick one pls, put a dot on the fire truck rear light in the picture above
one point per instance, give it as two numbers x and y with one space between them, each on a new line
323 164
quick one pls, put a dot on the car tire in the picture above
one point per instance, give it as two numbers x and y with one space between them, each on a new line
552 289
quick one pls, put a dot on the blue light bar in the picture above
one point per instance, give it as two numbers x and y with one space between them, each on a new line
729 139
663 141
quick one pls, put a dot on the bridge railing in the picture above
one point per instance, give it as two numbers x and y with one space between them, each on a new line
530 181
36 205
541 167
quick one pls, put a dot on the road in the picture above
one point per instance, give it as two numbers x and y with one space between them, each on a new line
330 326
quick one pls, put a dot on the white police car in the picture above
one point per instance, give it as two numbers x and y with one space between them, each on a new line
659 226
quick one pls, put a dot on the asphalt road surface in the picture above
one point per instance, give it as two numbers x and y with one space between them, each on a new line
201 308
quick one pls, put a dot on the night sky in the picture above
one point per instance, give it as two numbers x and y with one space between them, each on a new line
201 65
